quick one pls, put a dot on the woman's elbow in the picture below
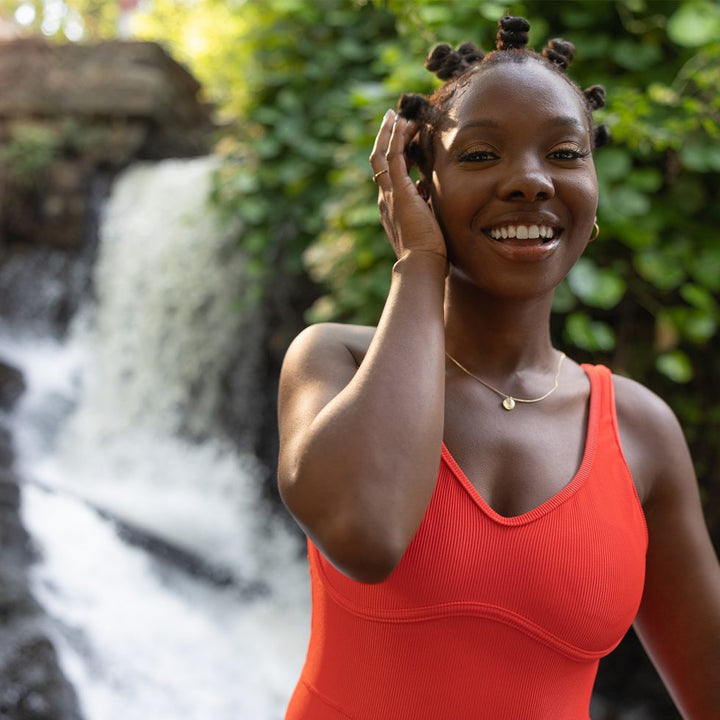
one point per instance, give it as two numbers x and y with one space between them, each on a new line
366 549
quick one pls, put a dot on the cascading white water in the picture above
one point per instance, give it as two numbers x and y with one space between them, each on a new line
102 427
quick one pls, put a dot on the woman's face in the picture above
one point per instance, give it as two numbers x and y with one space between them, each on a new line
513 183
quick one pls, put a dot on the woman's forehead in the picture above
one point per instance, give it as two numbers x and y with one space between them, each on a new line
515 87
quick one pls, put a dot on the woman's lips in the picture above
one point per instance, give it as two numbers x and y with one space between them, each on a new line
525 249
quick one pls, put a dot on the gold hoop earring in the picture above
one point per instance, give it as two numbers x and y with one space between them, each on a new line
595 233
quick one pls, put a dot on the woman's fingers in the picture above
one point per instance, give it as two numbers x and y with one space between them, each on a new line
402 133
406 217
378 161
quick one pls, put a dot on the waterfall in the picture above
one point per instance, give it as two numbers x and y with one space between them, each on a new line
175 593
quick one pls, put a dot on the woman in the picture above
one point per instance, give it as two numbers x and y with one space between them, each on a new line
565 506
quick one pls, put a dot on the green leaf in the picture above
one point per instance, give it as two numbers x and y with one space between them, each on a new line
646 180
613 163
700 326
633 55
675 365
705 268
597 287
698 297
564 299
629 202
662 270
701 155
695 23
587 334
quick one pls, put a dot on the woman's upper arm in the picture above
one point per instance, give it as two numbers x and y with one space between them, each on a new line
317 366
679 617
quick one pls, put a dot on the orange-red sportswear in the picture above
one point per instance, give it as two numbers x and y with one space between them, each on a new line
486 617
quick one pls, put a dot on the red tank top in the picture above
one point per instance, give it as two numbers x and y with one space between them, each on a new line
486 617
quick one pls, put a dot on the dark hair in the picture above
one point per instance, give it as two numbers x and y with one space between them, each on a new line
457 66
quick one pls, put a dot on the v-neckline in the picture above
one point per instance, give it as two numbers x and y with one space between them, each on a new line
561 495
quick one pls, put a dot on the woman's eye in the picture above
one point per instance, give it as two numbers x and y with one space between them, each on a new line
478 156
568 154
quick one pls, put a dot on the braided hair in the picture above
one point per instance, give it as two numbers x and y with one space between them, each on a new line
456 67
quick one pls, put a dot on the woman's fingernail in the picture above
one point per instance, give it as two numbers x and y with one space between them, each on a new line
388 114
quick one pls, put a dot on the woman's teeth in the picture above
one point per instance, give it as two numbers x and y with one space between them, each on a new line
522 232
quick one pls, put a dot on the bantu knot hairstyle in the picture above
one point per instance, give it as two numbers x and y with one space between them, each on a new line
513 33
560 53
453 66
447 63
595 95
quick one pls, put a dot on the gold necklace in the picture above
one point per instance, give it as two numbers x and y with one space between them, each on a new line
508 400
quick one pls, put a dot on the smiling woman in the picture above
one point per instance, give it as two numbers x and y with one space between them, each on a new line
474 557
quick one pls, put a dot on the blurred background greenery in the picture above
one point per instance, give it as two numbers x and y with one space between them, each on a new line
300 87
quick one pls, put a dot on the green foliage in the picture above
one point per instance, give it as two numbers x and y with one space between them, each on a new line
311 85
29 151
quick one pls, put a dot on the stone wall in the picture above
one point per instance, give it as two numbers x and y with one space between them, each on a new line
69 111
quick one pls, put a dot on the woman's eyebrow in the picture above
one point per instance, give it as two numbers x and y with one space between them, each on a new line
566 120
481 122
557 121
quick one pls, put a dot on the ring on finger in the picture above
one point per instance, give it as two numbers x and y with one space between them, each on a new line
378 174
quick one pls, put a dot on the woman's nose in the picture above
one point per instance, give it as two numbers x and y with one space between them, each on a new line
526 180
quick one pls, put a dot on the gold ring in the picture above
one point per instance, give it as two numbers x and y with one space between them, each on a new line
378 174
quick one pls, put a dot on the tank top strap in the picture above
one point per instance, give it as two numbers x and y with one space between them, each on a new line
601 386
601 382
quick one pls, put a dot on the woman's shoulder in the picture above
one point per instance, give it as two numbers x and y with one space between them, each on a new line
331 351
652 439
321 338
638 406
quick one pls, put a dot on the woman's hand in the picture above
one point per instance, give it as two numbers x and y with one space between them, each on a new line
405 215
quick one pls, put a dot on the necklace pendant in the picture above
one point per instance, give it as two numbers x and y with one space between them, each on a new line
508 403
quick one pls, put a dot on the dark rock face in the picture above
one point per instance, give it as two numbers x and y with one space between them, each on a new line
12 386
32 686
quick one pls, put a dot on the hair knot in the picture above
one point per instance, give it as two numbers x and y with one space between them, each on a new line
414 107
513 33
437 56
471 52
602 136
447 63
559 52
595 95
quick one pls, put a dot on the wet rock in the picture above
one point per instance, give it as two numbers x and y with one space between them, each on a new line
7 454
32 685
33 688
12 386
9 491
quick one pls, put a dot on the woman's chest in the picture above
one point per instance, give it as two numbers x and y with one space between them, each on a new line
515 460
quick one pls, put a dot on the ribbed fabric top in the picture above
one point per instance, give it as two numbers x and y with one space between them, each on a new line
486 617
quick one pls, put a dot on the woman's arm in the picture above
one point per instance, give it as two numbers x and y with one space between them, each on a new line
360 446
679 618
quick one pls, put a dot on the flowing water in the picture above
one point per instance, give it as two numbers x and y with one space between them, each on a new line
175 593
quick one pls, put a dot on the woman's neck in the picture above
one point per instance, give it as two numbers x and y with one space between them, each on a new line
500 336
